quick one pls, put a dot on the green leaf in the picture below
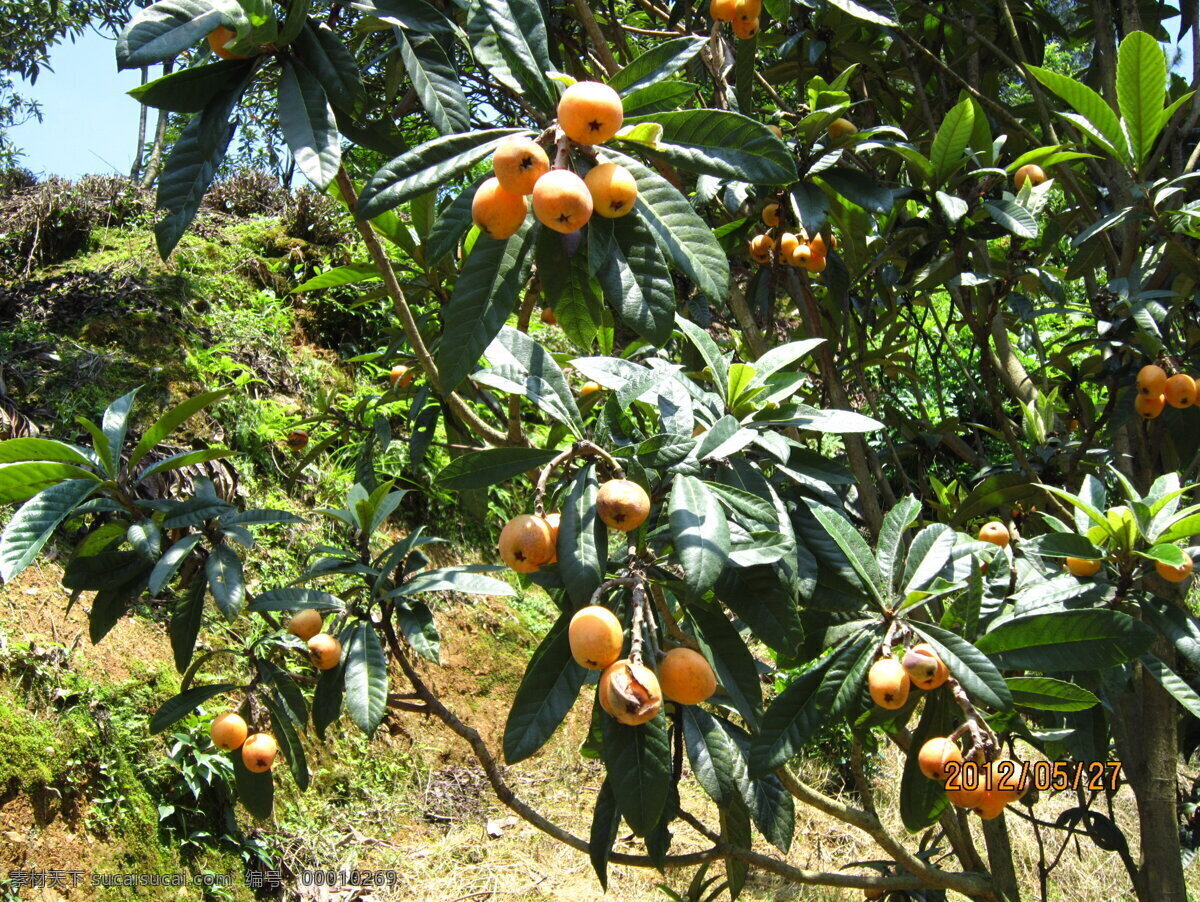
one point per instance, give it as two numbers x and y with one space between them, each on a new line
187 614
756 596
568 286
331 63
170 562
993 493
887 550
657 64
183 704
1141 90
859 188
190 90
1048 694
854 546
169 421
349 274
411 15
480 469
27 532
1173 683
226 581
366 677
794 717
858 11
417 625
160 32
1171 555
927 556
951 140
18 450
308 124
662 97
1096 118
722 144
683 236
521 40
289 743
735 667
546 385
582 545
969 665
469 579
116 422
546 694
1012 217
637 283
436 82
700 532
716 361
426 168
1064 544
922 800
255 791
638 761
715 757
606 821
452 223
327 699
735 830
146 538
296 600
182 459
485 295
1066 640
21 481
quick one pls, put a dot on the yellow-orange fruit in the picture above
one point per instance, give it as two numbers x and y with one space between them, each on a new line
722 10
925 667
745 28
325 651
994 532
801 255
1083 568
992 804
888 683
841 128
818 243
1180 390
747 11
1174 574
787 246
966 787
1152 380
305 624
1030 172
622 504
561 201
518 163
604 691
1010 782
258 753
776 130
228 731
548 317
816 262
297 439
595 636
590 388
686 676
590 112
634 696
497 212
935 755
761 247
526 542
770 215
553 520
873 893
613 189
218 38
401 376
1149 406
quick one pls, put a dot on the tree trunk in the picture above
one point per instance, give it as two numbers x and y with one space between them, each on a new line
160 138
136 171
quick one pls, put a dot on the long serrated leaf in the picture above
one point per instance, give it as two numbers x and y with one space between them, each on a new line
853 546
969 665
327 58
637 283
27 532
1067 640
581 546
183 704
308 124
167 423
161 31
547 692
638 760
1141 90
436 82
723 144
479 469
700 532
366 677
226 580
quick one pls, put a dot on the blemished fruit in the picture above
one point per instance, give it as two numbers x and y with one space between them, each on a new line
548 317
218 38
297 440
497 212
526 542
747 11
935 755
258 753
401 376
770 215
1030 172
561 201
634 696
924 667
590 112
553 520
889 684
1149 406
325 651
305 624
1083 568
841 128
604 691
686 676
228 731
1152 380
761 247
745 29
788 243
994 532
590 388
722 10
518 163
622 504
613 190
1180 391
595 636
1174 574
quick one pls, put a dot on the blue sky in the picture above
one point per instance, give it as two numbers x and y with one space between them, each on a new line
91 124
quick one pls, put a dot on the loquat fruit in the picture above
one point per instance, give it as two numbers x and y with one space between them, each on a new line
747 11
935 755
325 651
761 247
258 753
1083 568
218 38
622 504
590 388
841 128
745 29
888 684
770 215
590 112
1152 380
595 636
1174 574
518 163
228 731
526 542
994 532
297 440
498 213
817 243
1149 406
722 10
686 676
788 243
966 787
561 201
305 624
401 376
613 190
548 317
924 667
634 696
801 255
1031 173
816 263
1180 391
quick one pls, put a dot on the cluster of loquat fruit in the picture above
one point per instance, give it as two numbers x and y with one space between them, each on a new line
743 15
794 250
1155 390
588 113
229 730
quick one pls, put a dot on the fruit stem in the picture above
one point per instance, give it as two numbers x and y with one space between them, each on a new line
981 734
660 602
637 629
562 157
